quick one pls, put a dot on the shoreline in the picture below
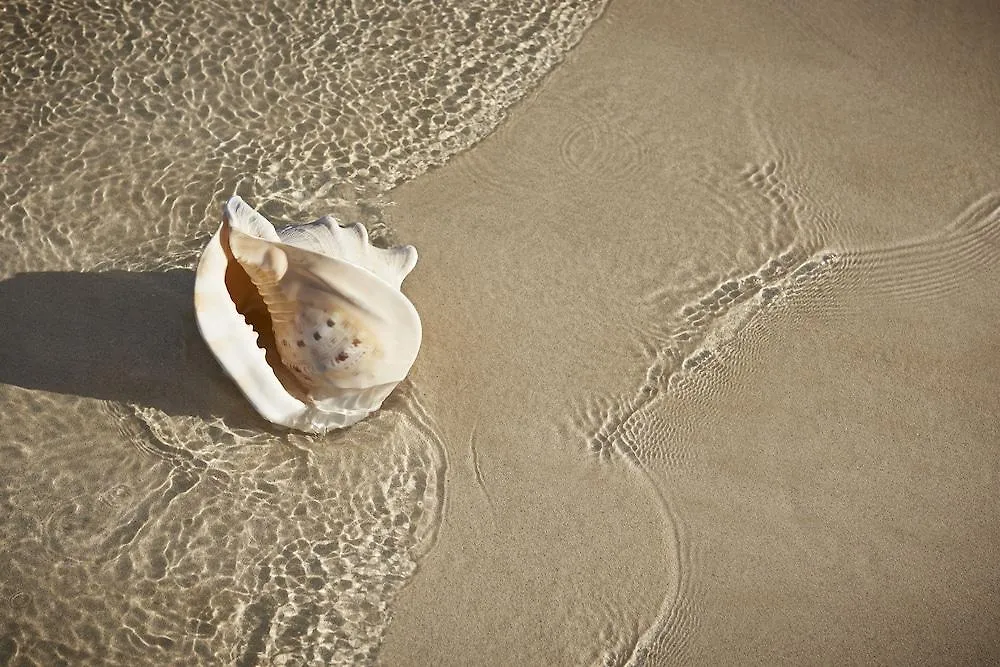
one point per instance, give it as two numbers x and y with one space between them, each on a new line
612 181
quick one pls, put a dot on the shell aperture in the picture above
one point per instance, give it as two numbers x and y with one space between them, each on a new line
308 320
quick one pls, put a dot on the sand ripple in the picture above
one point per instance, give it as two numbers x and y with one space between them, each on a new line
700 349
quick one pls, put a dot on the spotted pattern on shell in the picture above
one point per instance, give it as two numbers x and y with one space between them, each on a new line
308 320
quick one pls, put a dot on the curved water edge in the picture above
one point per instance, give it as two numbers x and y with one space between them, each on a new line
707 343
130 488
143 121
189 528
271 544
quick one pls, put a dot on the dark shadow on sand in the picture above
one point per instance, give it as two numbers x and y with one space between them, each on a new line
123 336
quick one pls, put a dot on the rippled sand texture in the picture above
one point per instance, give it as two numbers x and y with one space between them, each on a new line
744 256
149 516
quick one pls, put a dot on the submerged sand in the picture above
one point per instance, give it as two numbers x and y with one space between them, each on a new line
711 339
710 366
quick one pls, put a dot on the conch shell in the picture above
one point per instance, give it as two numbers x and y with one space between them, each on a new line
308 320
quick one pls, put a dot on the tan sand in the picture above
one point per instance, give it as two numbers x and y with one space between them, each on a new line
807 476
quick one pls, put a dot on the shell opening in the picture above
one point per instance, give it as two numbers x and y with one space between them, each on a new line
251 306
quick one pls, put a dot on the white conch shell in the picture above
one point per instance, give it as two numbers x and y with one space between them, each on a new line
308 320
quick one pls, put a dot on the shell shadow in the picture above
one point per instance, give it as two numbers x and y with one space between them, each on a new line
122 336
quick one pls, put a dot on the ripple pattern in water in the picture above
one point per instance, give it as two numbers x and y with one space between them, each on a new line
151 518
697 351
224 544
701 337
125 123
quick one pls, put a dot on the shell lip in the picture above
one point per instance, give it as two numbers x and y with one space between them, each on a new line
234 341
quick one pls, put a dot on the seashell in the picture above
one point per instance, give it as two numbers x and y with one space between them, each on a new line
308 320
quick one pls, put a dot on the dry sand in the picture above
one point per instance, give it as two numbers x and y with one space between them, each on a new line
710 336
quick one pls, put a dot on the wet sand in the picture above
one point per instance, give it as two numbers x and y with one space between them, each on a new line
736 263
151 517
709 372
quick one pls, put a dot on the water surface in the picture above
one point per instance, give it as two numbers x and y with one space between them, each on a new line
151 517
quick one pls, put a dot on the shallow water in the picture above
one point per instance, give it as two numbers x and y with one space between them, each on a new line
709 372
754 255
151 517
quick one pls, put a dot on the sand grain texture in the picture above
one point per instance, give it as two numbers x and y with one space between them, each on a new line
710 366
743 255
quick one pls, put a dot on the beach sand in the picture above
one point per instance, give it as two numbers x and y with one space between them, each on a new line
709 375
823 458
